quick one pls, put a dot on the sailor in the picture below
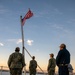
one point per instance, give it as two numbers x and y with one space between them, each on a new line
16 62
62 60
33 66
51 65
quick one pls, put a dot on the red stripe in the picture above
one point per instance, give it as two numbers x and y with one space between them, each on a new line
27 16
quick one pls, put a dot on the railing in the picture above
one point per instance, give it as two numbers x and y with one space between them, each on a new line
3 68
6 69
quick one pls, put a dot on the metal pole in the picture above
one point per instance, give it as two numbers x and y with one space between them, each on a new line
23 52
22 36
1 69
31 57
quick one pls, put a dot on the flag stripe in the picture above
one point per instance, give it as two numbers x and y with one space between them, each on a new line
27 16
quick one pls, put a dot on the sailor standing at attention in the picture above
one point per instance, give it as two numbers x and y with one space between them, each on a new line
51 65
33 66
16 62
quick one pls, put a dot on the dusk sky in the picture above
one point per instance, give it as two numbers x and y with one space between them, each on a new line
53 23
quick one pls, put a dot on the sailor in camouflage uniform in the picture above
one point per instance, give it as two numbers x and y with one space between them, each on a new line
33 66
16 62
51 65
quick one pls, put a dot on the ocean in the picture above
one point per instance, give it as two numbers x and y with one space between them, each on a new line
7 73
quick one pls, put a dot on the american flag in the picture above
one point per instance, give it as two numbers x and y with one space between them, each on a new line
27 16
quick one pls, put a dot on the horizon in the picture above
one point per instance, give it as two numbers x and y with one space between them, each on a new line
52 23
27 70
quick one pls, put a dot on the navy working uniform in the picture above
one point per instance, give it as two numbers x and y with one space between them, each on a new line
33 66
62 60
51 65
16 62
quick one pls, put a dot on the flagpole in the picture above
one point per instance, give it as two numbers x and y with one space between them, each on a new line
23 52
27 16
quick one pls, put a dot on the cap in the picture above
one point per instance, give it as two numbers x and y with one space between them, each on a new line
52 54
17 49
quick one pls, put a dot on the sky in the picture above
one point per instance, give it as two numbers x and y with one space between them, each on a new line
52 23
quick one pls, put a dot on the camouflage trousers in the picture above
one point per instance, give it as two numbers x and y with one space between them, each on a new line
32 71
51 72
15 71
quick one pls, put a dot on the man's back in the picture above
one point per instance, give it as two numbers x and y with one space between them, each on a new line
16 60
33 64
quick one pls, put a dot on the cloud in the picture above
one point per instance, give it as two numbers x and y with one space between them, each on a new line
19 41
11 40
37 50
41 14
71 21
61 27
1 44
3 10
29 42
57 26
46 12
56 11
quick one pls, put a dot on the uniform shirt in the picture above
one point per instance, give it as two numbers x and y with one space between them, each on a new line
33 64
16 60
51 64
63 57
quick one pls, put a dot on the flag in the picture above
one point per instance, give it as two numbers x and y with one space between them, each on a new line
27 16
